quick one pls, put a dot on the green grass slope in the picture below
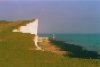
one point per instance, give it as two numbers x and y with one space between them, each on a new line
15 51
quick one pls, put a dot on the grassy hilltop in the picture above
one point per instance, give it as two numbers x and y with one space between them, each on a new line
15 51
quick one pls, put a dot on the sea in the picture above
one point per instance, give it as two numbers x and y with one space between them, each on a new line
87 41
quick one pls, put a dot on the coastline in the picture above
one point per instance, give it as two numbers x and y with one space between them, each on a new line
88 41
18 50
68 49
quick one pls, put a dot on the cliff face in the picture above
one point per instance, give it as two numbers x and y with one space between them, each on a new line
31 28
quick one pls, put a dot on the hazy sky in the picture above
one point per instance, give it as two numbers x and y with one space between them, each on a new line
55 16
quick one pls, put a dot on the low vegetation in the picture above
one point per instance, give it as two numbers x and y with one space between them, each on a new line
15 51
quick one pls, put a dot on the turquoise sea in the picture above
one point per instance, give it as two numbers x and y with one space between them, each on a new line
87 41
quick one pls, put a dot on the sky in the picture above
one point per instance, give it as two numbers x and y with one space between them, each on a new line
55 16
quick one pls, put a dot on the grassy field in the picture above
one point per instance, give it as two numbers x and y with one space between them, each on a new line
15 51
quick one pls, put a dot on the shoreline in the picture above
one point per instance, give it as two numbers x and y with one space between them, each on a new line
88 41
76 50
68 49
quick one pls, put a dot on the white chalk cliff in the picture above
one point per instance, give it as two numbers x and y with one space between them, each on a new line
31 28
